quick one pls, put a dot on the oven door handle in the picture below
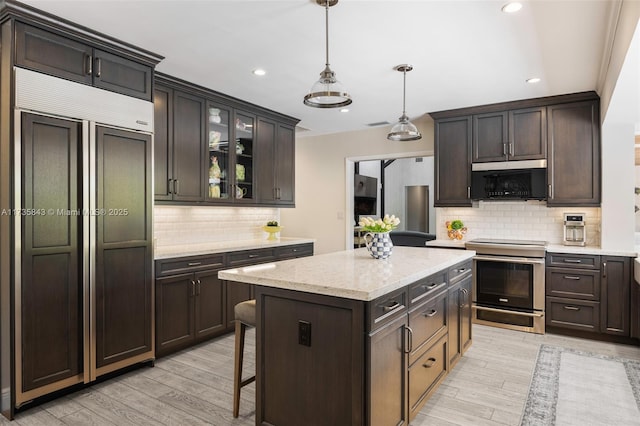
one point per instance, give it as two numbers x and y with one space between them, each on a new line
524 260
505 311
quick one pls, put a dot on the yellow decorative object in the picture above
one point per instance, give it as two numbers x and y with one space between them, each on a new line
272 230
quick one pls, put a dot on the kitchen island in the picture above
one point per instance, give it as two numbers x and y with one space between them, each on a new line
344 339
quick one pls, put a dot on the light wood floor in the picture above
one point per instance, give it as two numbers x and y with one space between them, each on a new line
487 387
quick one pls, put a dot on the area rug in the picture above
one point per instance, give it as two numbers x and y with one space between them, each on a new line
572 387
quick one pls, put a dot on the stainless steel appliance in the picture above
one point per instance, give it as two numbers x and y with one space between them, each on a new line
575 233
508 283
83 256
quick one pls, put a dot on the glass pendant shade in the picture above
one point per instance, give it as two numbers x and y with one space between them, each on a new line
327 92
404 130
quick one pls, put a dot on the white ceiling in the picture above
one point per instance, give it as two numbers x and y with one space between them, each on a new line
464 53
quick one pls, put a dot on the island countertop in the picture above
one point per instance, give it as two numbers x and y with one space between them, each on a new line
351 274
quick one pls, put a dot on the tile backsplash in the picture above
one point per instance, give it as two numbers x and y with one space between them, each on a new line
530 220
177 225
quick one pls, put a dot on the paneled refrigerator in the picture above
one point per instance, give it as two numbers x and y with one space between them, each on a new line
83 228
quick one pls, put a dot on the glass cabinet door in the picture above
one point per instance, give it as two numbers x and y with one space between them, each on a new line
218 152
244 149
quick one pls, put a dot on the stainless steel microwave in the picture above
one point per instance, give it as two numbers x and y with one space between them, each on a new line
518 184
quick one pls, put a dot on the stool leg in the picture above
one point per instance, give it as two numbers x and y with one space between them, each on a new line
237 369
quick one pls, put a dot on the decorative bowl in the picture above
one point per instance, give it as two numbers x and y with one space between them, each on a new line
272 230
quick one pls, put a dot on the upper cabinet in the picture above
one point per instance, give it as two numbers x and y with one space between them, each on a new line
573 168
564 130
215 150
276 170
510 135
52 53
453 162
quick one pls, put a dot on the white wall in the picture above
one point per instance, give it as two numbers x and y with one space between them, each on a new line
618 155
324 171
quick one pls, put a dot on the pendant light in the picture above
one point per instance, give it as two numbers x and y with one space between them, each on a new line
327 92
404 130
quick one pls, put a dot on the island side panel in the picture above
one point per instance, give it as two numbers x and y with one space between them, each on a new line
317 379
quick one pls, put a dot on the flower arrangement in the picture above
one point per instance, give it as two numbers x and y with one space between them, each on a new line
386 224
455 229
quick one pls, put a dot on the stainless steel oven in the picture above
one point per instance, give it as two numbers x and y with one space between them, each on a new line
508 284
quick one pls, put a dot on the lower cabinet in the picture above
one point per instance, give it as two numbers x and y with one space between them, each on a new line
459 318
193 305
414 334
388 372
589 293
188 309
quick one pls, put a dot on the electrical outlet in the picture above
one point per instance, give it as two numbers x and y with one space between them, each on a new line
304 333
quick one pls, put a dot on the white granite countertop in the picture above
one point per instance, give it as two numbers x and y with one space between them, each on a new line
560 248
351 274
180 250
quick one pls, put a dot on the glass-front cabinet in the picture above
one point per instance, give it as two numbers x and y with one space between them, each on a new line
244 149
219 142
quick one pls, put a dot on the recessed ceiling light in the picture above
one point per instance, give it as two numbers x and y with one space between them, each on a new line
512 7
344 110
259 71
533 80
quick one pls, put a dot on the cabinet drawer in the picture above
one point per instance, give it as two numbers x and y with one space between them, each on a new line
572 283
571 313
423 289
249 257
427 322
385 308
291 252
426 373
179 265
585 261
459 271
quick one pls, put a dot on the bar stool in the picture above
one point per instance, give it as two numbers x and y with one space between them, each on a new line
245 316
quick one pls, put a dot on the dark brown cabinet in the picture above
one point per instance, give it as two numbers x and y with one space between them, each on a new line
388 372
213 149
178 148
460 315
510 135
453 161
50 53
276 170
589 293
193 305
615 284
573 167
189 309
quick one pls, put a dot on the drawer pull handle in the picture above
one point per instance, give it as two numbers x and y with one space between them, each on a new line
503 300
252 256
571 308
430 363
429 286
461 270
194 263
391 307
572 261
570 277
430 314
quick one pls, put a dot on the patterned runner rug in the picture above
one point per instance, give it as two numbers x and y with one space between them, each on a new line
572 387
